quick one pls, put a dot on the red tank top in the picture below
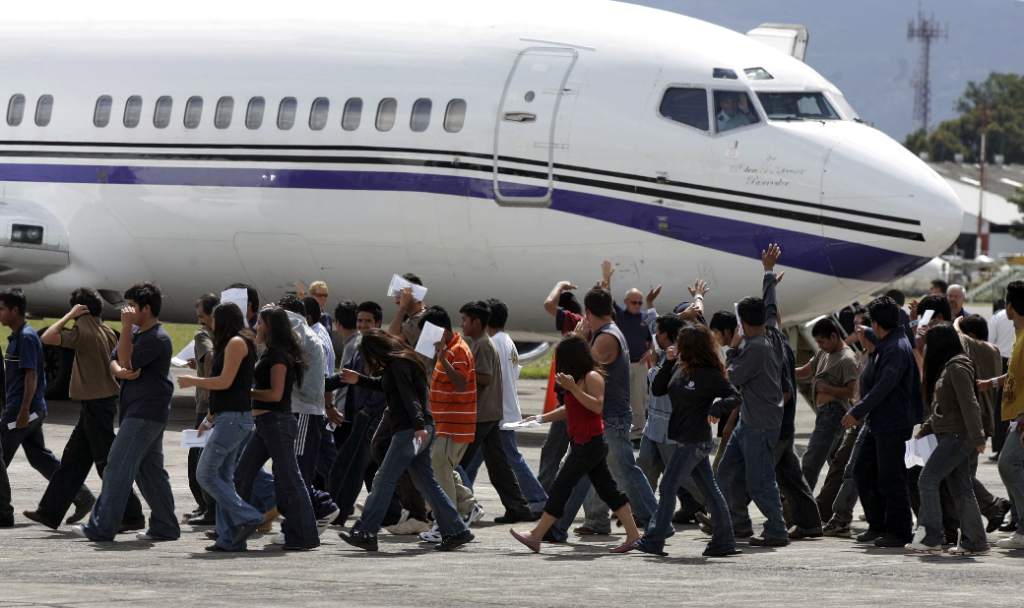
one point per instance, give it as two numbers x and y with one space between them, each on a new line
583 424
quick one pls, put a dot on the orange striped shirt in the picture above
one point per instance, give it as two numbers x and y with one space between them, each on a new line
454 411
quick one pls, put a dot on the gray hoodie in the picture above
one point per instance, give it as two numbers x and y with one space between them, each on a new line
308 397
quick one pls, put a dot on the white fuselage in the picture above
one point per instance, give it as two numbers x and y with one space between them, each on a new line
561 118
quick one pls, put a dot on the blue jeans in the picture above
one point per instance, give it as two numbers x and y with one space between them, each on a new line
951 461
828 431
690 460
653 459
628 477
401 457
216 474
274 439
136 455
533 491
748 469
1011 471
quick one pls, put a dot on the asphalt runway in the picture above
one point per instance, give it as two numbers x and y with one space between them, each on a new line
39 567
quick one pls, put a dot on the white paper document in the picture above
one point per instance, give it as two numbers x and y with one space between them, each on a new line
417 445
429 336
189 352
520 425
13 424
926 318
919 450
237 295
190 438
739 325
398 284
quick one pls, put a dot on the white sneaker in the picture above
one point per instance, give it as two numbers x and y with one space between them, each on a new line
918 546
475 515
325 522
433 535
960 551
149 537
1012 542
79 531
277 539
409 526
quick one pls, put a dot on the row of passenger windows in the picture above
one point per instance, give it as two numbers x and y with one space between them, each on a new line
223 113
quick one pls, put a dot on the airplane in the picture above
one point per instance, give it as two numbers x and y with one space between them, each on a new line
491 148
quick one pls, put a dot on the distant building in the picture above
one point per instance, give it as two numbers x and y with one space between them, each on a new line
1001 181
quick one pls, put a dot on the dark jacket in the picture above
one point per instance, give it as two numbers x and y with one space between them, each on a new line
359 400
404 384
954 407
692 398
890 387
780 342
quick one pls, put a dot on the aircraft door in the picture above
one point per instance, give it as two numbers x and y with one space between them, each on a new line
525 127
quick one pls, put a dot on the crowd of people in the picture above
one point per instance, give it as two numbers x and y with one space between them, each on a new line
653 411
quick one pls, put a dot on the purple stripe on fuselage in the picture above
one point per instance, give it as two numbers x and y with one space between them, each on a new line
811 252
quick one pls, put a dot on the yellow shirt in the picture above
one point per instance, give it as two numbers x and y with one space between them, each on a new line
1013 396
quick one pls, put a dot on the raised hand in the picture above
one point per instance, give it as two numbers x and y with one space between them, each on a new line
770 257
652 295
699 288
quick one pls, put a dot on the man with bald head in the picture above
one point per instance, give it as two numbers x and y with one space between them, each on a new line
632 321
957 295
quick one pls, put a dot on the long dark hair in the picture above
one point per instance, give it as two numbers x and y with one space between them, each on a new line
379 349
573 357
281 337
696 346
228 322
941 344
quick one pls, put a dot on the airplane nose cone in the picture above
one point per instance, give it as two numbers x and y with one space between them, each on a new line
906 213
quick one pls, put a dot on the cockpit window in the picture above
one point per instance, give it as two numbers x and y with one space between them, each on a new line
797 106
688 106
733 109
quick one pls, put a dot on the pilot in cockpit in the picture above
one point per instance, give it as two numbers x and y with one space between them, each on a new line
733 111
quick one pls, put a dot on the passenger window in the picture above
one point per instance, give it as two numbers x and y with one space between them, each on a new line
455 115
420 119
352 114
733 109
386 114
15 110
44 109
101 114
254 113
686 106
132 111
318 113
222 113
286 113
162 112
193 112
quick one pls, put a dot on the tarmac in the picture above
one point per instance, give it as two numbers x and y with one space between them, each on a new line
40 567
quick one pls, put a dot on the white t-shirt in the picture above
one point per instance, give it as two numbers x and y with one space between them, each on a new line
1001 333
508 356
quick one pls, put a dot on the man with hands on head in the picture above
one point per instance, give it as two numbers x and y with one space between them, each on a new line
142 362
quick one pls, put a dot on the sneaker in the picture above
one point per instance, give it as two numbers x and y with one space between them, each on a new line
450 543
650 547
514 517
917 545
433 535
325 522
797 533
475 515
79 531
868 536
999 511
358 538
588 531
835 529
1012 542
277 539
410 526
961 551
146 536
82 508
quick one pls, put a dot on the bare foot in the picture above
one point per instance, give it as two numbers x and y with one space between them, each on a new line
625 547
527 540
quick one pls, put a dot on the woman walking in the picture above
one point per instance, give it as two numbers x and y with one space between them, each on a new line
278 368
397 372
954 416
230 418
579 374
694 379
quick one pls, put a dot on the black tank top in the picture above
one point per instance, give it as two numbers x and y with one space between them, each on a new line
235 398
